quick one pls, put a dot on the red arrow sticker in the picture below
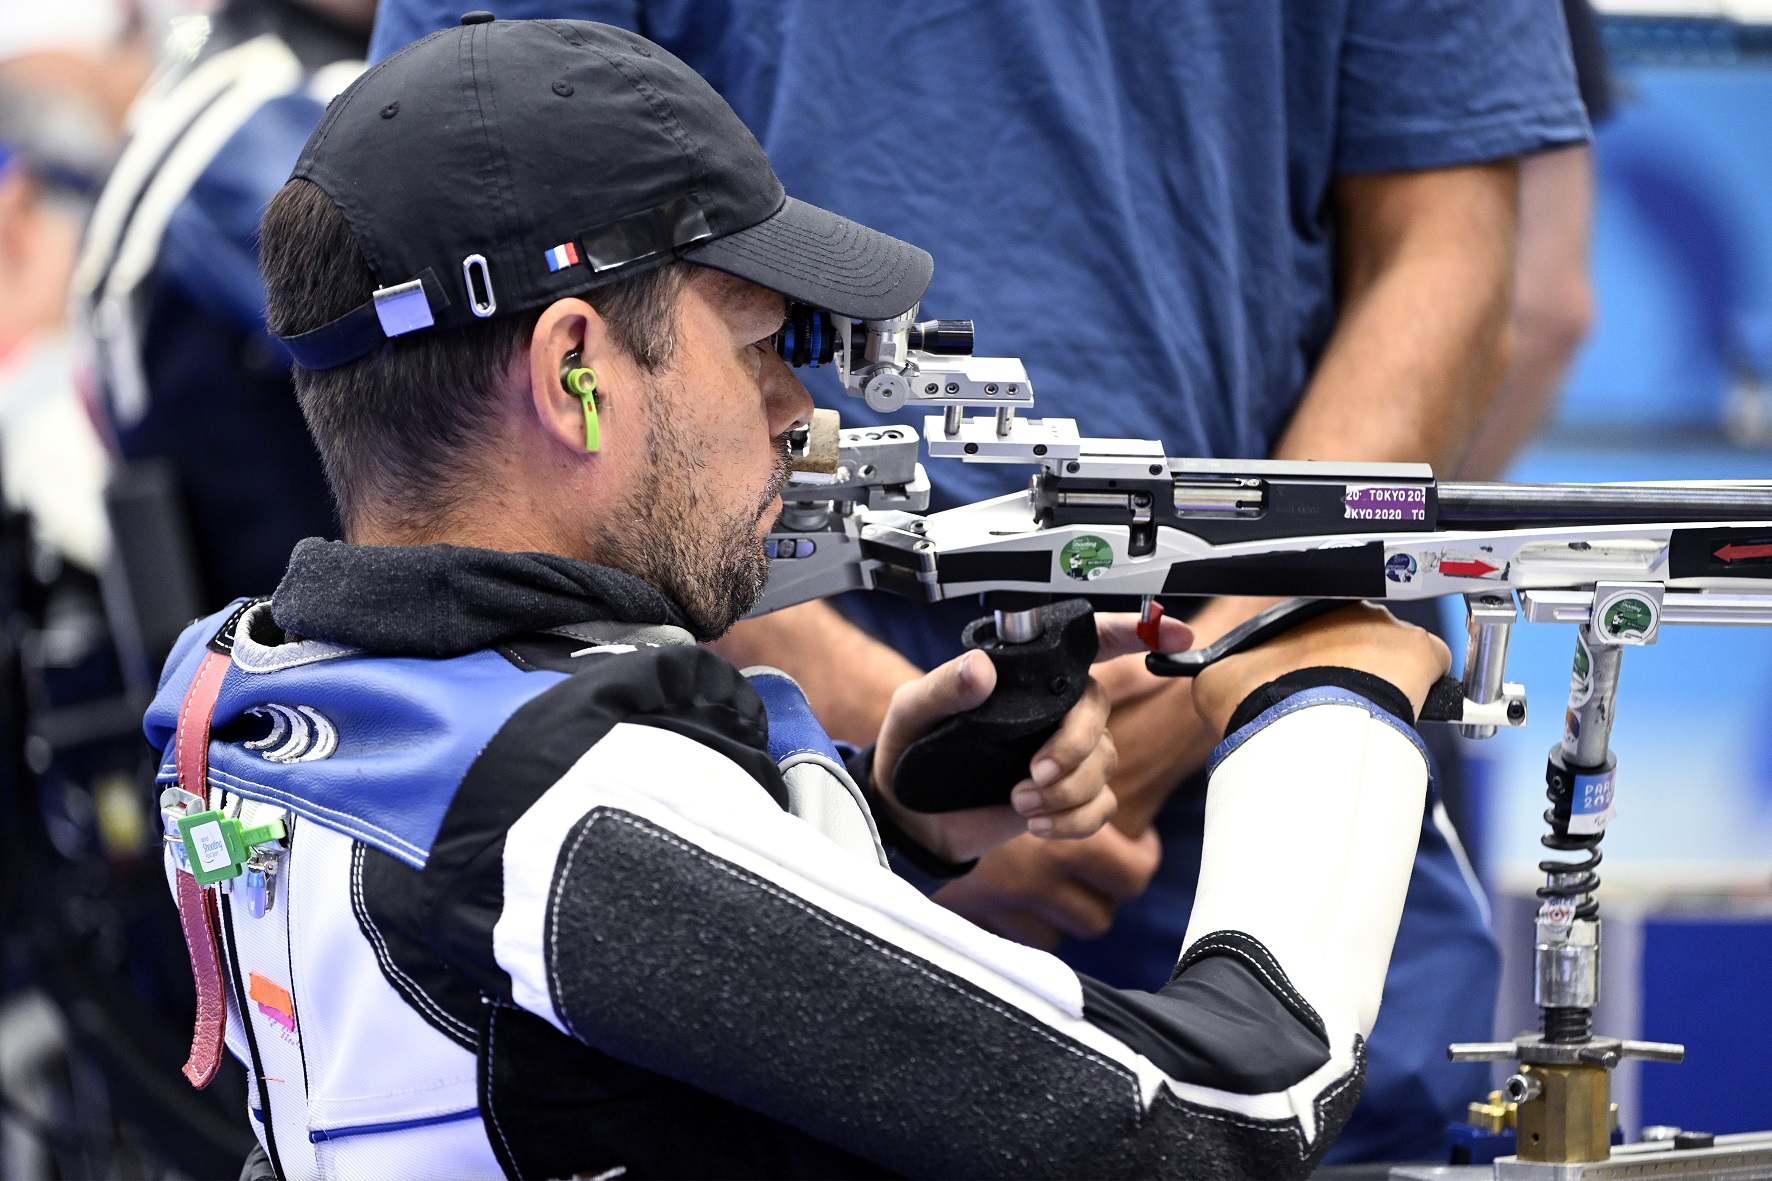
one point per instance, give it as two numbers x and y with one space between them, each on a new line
1742 553
1467 568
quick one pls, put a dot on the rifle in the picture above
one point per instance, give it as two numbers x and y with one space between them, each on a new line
1121 524
1108 523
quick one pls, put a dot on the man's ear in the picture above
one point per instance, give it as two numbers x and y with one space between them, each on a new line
570 334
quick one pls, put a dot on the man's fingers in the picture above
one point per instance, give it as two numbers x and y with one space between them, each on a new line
1118 635
1114 863
1075 909
1082 821
1089 779
961 684
1077 735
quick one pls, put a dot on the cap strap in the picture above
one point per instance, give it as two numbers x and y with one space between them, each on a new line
389 312
646 234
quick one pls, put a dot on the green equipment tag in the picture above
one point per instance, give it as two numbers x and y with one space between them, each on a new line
217 846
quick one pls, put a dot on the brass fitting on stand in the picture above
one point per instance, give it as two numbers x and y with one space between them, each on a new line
1569 1117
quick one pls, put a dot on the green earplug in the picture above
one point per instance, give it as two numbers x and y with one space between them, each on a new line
582 384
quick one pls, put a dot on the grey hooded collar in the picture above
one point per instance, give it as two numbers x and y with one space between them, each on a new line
447 600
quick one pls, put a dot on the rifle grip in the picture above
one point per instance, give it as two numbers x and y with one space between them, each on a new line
975 759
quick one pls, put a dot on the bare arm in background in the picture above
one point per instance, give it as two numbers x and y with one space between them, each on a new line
1553 305
1425 262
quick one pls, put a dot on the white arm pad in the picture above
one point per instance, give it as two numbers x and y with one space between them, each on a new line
1311 824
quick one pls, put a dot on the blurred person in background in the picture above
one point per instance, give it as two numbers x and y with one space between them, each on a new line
1244 229
1553 289
67 75
72 815
98 994
91 54
195 394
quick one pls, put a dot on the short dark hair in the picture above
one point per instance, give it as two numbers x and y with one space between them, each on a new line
397 429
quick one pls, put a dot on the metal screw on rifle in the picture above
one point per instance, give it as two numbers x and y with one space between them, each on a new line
1156 469
953 387
991 388
1073 466
972 448
1039 448
1516 711
932 388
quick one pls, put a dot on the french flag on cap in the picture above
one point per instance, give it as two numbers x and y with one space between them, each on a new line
563 255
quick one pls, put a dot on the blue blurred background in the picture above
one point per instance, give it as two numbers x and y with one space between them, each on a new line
1673 383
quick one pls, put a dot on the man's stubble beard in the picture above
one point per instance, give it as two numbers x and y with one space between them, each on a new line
706 556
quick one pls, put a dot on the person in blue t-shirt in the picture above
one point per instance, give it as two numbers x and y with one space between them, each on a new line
1243 227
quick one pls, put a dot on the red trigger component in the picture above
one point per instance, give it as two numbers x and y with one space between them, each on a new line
196 906
1150 620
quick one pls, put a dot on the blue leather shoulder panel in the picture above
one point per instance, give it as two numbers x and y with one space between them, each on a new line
407 730
792 728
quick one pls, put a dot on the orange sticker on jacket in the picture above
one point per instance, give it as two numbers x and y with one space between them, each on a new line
273 1000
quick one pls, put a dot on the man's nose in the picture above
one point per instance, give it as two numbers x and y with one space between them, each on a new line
787 402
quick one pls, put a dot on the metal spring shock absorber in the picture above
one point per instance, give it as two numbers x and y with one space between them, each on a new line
1579 778
1567 901
1563 1088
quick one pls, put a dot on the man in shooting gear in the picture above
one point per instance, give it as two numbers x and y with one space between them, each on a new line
486 866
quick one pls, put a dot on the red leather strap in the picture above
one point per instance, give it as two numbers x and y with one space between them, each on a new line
197 906
196 914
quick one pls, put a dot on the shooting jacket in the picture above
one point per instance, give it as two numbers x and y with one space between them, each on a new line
565 893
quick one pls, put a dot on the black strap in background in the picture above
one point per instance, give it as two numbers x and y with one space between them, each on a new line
240 999
1251 633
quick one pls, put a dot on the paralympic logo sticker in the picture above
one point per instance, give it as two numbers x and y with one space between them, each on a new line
1400 567
1593 803
1084 558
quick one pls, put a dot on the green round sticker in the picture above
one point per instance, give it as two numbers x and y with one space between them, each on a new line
1086 556
1628 619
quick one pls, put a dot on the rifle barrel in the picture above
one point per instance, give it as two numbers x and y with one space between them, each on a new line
1509 506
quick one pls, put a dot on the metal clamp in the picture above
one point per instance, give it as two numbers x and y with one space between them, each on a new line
1490 617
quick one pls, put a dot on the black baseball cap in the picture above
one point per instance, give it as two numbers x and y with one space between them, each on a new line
499 166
